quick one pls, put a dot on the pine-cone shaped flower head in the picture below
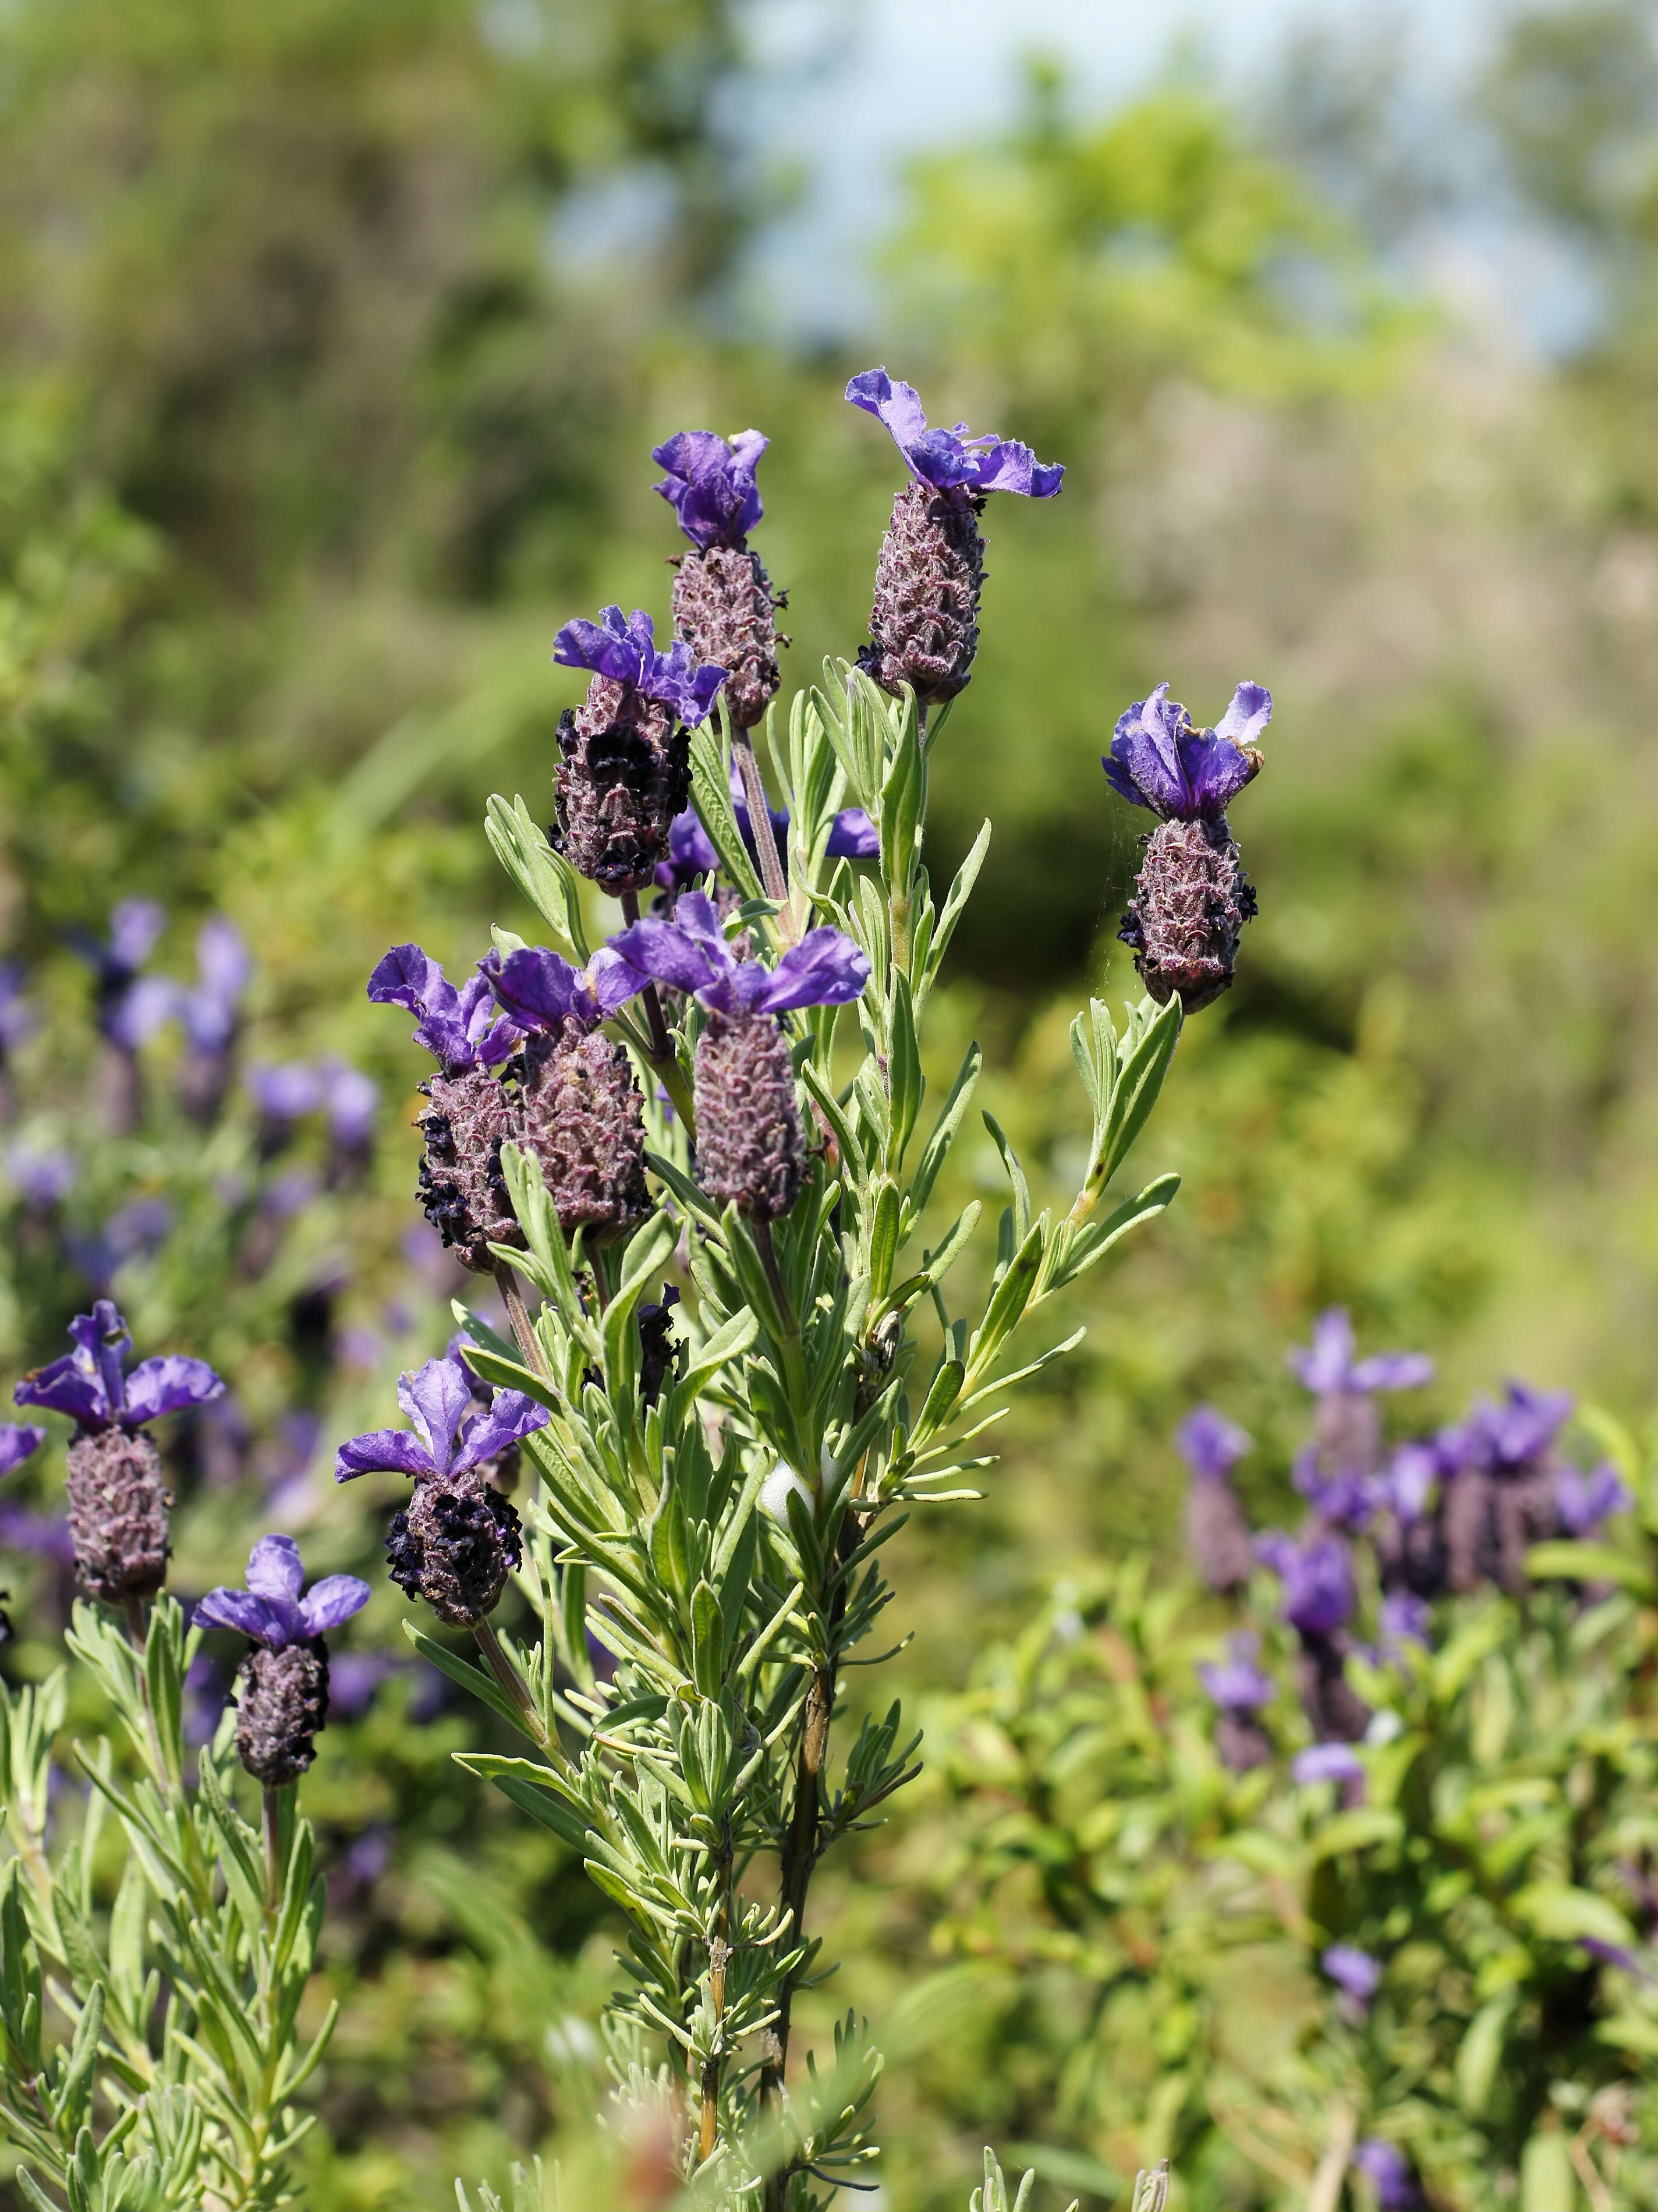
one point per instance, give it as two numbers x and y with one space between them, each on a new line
457 1539
750 1147
624 772
924 627
1191 897
1216 1535
118 1495
577 1107
1334 1709
283 1680
1501 1473
1341 1472
461 1188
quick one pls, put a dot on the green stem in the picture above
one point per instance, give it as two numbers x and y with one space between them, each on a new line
273 1865
765 843
509 1679
523 1328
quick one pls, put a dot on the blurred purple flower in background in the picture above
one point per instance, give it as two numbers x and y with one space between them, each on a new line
1586 1501
42 1175
133 1233
1356 1974
1327 1762
1389 2172
1319 1596
211 1012
1327 1365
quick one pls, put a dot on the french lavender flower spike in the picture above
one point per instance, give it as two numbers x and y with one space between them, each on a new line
461 1190
117 1492
750 1147
457 1540
924 627
723 604
1216 1534
283 1680
624 771
1191 897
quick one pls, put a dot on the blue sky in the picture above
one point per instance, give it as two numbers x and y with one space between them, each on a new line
853 85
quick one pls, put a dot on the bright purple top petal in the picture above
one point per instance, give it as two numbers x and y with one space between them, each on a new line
611 980
1394 1370
66 1387
134 927
436 1398
825 968
510 1416
1328 1365
711 486
949 459
1352 1970
274 1570
1319 1596
1585 1501
1210 1445
410 978
854 836
624 650
541 992
168 1384
18 1439
331 1601
457 1028
249 1616
1327 1762
690 853
382 1451
1235 1683
690 953
1158 759
1247 715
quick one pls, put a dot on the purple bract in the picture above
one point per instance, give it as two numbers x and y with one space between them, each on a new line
438 1398
1327 1762
18 1439
690 954
88 1385
1159 758
1319 1596
1236 1683
1327 1365
625 651
542 991
1354 1972
710 484
223 965
1584 1501
950 460
16 1015
1388 2173
460 1028
270 1610
1210 1445
42 1173
1501 1438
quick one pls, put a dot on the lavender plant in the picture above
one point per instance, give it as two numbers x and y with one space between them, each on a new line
737 1361
150 2051
1361 1900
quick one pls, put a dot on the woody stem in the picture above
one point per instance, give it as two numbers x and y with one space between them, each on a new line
765 841
508 1677
523 1328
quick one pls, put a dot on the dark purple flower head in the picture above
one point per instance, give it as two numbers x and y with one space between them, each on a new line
1354 1972
223 965
1327 1762
1319 1596
625 651
690 954
270 1610
42 1173
450 1434
950 460
541 992
1159 759
460 1028
132 1006
710 484
1235 1683
1327 1364
1585 1501
16 1015
1499 1438
1387 2169
1210 1445
88 1385
17 1441
1348 1499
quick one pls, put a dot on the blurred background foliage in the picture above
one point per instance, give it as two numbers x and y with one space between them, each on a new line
334 334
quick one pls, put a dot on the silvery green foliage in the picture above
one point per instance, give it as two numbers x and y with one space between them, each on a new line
993 2197
725 1544
151 2057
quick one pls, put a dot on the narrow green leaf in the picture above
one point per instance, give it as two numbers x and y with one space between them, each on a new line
546 880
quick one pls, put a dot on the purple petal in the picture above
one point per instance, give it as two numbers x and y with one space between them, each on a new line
436 1397
410 978
1249 713
1352 1970
1210 1445
611 647
1412 1475
66 1387
897 405
274 1570
1327 1762
222 959
1144 765
710 484
1236 1684
1394 1370
1010 466
854 836
511 1416
332 1602
1584 1501
134 927
824 970
672 952
168 1385
146 1008
611 980
541 991
353 1101
1214 771
1405 1618
250 1616
18 1439
382 1451
690 853
1328 1365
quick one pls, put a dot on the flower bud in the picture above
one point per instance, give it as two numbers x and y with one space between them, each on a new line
579 1112
282 1702
924 626
461 1187
454 1544
1191 900
751 1151
726 610
624 775
117 1515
